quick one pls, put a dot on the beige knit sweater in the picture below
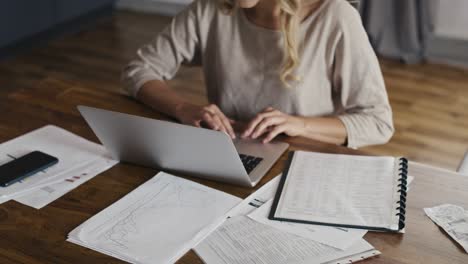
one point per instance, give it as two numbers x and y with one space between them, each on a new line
339 72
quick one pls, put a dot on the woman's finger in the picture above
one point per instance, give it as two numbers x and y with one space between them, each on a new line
197 123
267 122
207 118
274 133
269 109
254 123
225 122
219 124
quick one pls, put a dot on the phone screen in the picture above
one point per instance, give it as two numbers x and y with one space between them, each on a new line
25 166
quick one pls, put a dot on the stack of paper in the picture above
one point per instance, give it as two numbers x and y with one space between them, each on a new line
156 223
79 161
241 239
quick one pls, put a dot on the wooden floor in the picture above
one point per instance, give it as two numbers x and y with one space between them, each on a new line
430 102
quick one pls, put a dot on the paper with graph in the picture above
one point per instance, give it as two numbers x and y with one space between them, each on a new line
156 223
41 197
72 151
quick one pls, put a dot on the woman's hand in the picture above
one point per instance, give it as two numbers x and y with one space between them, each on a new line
209 116
274 122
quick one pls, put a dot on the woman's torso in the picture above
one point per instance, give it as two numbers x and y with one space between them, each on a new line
242 63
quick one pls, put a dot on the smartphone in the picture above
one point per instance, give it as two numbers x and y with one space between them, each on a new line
25 166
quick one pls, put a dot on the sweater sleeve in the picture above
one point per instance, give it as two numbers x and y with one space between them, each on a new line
177 44
359 86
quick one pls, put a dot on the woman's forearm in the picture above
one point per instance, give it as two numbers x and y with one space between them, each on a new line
325 129
160 97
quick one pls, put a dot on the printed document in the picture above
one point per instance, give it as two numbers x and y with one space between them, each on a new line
240 240
72 151
41 197
341 238
156 223
453 219
341 189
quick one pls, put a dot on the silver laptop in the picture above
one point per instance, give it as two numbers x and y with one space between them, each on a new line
180 148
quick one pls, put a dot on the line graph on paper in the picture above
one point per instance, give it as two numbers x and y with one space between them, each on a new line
146 217
157 222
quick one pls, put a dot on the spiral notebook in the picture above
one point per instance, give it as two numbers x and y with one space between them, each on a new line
343 191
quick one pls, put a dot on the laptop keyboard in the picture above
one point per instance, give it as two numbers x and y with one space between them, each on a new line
250 162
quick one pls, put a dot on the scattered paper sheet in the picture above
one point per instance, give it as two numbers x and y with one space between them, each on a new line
241 240
453 219
341 238
71 150
156 223
41 197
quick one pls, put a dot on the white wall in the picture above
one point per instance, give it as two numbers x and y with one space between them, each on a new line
452 19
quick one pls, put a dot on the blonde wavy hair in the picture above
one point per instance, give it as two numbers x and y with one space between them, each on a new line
290 21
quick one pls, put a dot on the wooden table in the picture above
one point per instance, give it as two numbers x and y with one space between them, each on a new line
38 236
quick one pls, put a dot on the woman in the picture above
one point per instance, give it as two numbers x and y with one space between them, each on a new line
298 67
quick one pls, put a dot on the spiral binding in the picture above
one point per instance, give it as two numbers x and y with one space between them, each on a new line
403 187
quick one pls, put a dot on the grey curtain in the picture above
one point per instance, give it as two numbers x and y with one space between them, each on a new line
399 29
